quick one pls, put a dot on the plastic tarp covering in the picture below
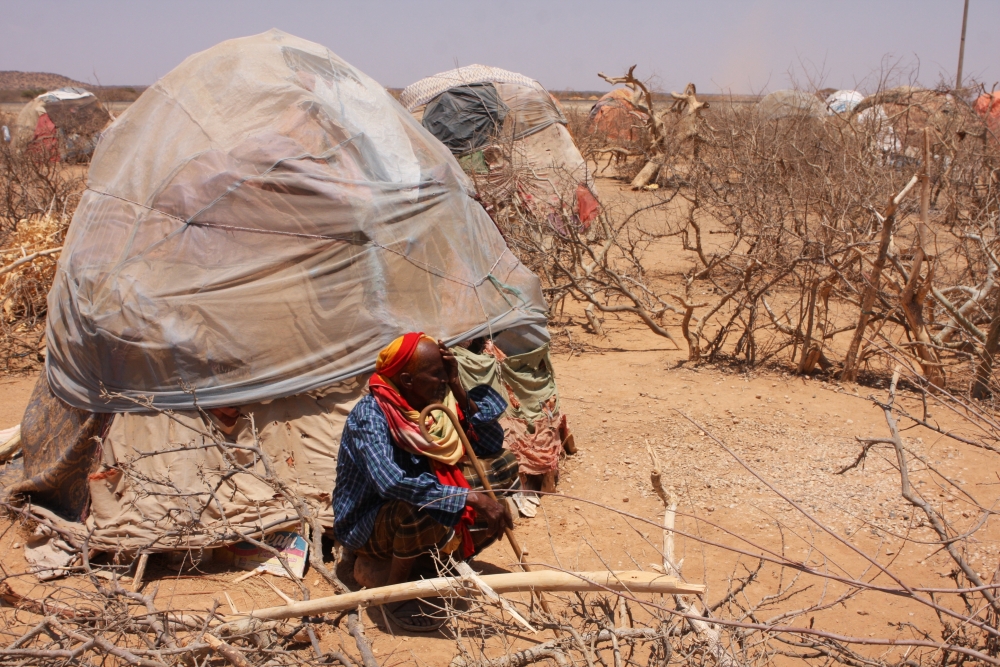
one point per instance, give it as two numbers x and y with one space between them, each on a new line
466 118
533 110
843 101
68 93
558 168
420 93
259 223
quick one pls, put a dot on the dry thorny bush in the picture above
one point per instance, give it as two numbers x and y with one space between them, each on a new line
787 226
37 200
853 244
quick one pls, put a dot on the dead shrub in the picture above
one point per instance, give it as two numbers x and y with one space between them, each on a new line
37 200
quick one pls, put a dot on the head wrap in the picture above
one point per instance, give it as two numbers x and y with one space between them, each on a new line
394 356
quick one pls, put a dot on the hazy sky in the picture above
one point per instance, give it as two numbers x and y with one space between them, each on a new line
738 46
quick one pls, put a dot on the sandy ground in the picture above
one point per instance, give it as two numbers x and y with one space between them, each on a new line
633 389
795 432
14 394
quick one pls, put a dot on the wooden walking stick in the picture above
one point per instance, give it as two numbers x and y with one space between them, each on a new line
482 478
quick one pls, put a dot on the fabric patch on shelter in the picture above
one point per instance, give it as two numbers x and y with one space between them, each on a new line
145 457
534 427
59 443
48 554
466 118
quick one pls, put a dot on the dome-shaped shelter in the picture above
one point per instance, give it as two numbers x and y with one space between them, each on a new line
616 117
259 223
257 226
63 123
489 116
791 104
909 109
843 101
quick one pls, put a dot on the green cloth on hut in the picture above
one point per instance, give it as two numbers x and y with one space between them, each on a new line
529 376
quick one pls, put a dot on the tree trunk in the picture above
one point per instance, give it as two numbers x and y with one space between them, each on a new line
850 372
984 373
647 174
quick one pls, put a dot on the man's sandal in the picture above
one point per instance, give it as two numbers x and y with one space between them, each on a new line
415 616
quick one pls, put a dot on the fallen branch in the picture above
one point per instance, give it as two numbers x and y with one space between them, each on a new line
24 260
633 581
230 653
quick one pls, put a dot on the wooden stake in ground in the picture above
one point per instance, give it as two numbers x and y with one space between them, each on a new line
705 631
518 553
140 571
850 371
912 298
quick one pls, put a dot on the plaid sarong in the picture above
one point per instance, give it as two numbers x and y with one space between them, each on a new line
405 531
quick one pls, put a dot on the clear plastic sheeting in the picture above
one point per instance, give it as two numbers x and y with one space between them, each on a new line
533 110
259 223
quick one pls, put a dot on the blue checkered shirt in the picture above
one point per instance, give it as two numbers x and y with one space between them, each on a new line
371 470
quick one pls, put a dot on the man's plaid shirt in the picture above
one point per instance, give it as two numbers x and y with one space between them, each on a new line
372 470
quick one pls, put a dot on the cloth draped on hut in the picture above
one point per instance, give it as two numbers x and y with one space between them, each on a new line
534 426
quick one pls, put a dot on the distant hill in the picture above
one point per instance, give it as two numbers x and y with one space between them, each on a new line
11 80
20 87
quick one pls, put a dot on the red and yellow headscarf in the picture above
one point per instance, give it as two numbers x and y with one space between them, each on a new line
394 356
447 446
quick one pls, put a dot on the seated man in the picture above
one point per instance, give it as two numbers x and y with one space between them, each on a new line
398 496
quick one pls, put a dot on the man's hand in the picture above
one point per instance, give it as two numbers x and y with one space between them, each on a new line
497 515
455 382
450 364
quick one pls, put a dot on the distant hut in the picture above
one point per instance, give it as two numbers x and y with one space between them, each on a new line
488 116
907 110
616 117
988 108
62 124
843 102
791 104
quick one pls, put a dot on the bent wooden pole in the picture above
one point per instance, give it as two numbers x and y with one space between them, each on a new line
471 454
518 553
548 580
